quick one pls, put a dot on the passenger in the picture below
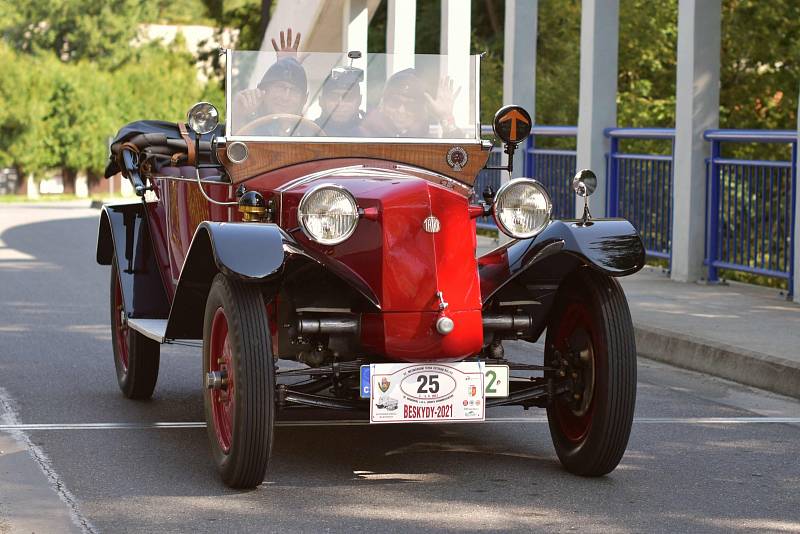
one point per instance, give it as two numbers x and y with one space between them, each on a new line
340 102
407 110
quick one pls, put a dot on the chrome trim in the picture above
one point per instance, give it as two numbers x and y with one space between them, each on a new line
189 117
236 144
431 224
477 83
304 200
444 325
193 180
504 188
407 140
313 176
228 92
217 202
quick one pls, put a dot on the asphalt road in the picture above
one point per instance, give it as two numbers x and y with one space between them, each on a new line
697 459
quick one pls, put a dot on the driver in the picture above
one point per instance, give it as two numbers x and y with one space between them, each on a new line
282 90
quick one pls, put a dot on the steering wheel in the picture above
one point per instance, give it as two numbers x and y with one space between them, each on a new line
282 125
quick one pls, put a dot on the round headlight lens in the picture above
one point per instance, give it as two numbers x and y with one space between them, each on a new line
522 208
203 118
328 214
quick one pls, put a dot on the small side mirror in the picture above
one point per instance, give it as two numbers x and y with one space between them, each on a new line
512 124
584 183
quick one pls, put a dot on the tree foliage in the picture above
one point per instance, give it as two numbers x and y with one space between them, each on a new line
76 30
60 109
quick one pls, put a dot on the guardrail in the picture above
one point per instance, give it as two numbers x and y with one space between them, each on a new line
640 187
751 207
553 167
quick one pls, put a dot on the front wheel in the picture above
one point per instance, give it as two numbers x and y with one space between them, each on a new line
239 382
590 338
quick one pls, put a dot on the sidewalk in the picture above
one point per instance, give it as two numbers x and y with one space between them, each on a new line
744 333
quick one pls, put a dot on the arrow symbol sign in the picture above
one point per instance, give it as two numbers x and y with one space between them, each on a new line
514 116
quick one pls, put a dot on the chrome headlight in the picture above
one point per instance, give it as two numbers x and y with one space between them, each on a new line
202 118
522 208
328 214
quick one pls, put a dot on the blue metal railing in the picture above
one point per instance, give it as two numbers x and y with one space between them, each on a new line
640 188
751 207
553 167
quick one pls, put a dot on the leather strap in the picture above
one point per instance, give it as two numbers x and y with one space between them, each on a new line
191 154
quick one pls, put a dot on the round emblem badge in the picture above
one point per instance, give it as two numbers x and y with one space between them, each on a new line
457 158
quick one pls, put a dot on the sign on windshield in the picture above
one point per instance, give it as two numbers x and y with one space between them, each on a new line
375 96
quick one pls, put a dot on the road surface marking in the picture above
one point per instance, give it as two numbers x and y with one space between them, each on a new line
495 420
10 421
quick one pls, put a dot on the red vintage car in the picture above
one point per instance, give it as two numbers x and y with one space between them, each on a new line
322 245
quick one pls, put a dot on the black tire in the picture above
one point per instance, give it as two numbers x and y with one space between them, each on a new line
241 437
591 313
136 357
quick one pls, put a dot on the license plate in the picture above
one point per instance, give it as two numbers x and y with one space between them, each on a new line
429 392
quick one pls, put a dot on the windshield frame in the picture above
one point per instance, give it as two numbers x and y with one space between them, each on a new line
331 139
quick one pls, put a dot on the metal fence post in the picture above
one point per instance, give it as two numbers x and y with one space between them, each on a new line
794 223
527 164
612 197
713 214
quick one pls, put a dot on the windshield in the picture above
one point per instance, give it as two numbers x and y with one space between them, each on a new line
375 96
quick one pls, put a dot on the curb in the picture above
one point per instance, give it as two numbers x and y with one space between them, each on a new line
755 369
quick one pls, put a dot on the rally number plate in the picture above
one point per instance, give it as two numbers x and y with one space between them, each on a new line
430 392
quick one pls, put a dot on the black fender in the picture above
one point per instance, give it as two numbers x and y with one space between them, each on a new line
262 254
611 246
251 252
125 235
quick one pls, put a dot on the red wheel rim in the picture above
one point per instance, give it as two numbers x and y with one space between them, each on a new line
120 327
223 402
575 424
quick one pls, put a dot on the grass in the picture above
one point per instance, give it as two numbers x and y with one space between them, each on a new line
14 199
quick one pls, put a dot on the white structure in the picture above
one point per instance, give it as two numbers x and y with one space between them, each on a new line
196 38
796 243
355 25
696 110
318 21
597 107
519 60
456 22
401 27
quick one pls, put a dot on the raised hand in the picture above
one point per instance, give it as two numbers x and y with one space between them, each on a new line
287 48
442 106
248 102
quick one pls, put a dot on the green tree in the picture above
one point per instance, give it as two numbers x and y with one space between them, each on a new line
75 29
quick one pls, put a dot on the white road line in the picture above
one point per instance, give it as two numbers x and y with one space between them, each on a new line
10 421
495 420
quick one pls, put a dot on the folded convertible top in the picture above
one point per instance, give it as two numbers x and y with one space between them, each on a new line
161 136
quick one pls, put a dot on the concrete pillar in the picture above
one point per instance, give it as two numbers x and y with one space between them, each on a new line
597 107
355 24
696 110
796 243
519 61
454 43
401 27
